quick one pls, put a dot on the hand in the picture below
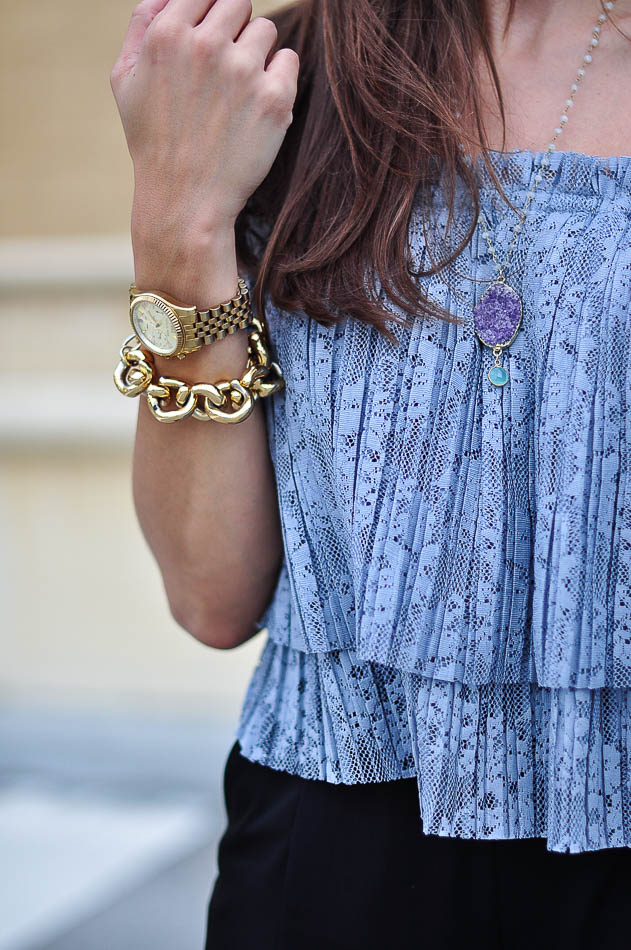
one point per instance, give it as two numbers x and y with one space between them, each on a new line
205 106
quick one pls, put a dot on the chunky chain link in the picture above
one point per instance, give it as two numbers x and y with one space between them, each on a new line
228 401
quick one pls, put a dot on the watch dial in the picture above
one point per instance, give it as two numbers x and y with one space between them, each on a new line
155 327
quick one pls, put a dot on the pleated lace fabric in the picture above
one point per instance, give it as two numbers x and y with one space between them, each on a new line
454 601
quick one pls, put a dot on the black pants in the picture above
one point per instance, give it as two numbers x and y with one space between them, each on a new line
307 864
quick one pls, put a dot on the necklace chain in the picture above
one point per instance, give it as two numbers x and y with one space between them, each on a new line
545 161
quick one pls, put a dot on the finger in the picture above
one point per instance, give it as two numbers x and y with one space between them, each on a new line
142 16
189 11
258 38
228 17
284 65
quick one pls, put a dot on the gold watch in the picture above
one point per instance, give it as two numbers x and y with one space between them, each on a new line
169 328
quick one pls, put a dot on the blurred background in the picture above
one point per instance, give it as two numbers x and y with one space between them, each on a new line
114 723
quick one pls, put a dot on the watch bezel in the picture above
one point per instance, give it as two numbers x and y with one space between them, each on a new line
168 310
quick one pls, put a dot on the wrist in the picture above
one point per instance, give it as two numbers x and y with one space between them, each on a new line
158 210
193 268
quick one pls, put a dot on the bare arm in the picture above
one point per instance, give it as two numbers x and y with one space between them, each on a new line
204 117
204 492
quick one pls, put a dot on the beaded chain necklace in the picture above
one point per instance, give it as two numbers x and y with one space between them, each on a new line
498 314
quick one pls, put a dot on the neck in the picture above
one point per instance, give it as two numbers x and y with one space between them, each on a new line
532 20
537 58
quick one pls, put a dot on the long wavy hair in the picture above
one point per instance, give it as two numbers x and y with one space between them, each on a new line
383 89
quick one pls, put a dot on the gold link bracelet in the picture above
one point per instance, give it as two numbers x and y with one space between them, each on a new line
171 400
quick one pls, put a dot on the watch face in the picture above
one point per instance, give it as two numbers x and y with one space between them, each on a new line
157 326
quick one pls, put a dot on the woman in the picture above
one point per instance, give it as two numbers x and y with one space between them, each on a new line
431 518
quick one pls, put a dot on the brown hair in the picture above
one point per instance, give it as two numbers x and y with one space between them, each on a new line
384 86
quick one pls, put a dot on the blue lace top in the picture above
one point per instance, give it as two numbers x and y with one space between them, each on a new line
454 603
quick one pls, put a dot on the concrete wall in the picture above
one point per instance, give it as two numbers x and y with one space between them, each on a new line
84 615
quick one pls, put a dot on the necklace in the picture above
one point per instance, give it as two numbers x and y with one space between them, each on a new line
497 316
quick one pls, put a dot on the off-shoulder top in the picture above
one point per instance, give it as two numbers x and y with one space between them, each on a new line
454 602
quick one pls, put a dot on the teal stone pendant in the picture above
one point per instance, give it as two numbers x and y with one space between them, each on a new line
498 375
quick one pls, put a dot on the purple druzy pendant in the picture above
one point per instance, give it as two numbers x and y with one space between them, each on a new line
496 320
497 316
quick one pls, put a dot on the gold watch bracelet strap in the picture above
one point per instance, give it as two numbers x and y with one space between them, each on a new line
228 401
230 316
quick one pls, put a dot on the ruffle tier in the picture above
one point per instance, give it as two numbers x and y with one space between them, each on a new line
445 526
493 762
523 761
325 716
